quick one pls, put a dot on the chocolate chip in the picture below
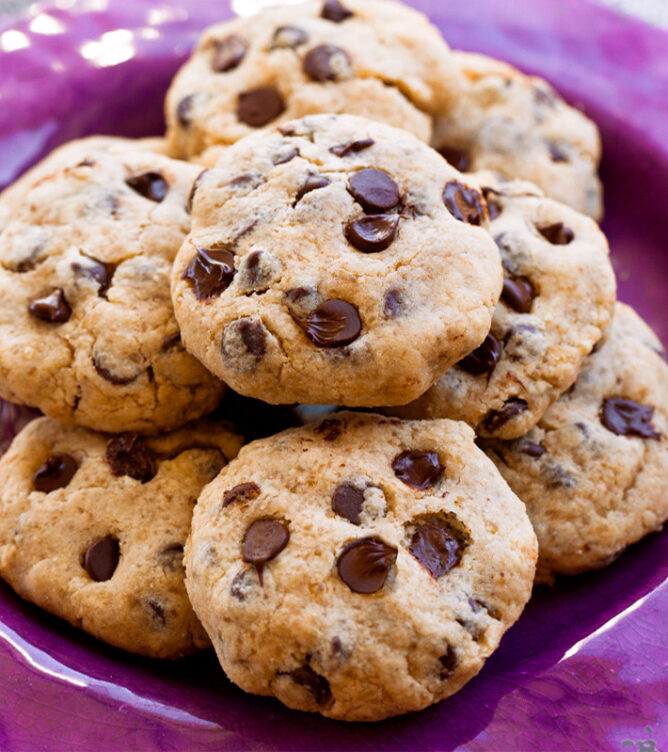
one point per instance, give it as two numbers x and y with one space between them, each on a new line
495 419
241 585
191 196
150 185
317 685
330 428
253 337
184 110
334 323
263 541
285 156
326 62
157 610
557 233
289 36
545 96
393 303
628 418
364 564
114 378
531 449
312 183
557 476
458 158
56 471
296 294
494 206
210 272
128 454
347 501
418 469
101 559
448 662
260 106
257 270
228 53
557 154
171 556
374 190
333 10
374 233
518 293
243 493
96 270
438 544
464 203
53 307
484 358
341 150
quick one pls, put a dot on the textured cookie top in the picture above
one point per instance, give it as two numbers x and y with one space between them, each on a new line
362 567
518 126
87 240
373 58
557 301
92 528
594 472
334 260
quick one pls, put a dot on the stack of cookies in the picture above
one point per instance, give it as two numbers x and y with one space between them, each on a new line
344 214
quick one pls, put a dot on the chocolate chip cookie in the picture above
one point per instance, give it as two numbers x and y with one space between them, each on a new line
359 568
87 241
373 58
594 472
334 260
520 127
557 301
92 528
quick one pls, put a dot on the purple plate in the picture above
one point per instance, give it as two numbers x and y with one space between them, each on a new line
586 667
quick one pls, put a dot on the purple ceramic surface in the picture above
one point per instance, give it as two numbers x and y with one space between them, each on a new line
586 667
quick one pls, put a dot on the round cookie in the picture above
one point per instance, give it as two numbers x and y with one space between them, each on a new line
518 126
557 301
359 568
334 260
373 58
87 241
594 472
92 528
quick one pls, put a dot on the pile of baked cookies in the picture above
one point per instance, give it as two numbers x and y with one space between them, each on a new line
344 212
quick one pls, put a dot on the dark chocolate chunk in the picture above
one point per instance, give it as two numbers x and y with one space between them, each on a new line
464 203
393 303
210 272
557 233
334 323
448 663
458 158
364 564
531 449
285 156
56 471
260 106
53 307
495 419
374 190
374 233
263 541
243 492
150 185
196 184
518 293
333 10
330 428
347 501
183 110
494 206
289 36
312 183
326 62
128 454
438 544
418 469
317 685
101 558
557 154
484 358
628 418
110 376
228 53
340 150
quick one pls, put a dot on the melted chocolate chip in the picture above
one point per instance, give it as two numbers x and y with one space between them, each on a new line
56 472
448 662
260 106
53 307
364 564
374 233
243 493
330 428
334 323
210 272
289 36
150 185
393 303
184 110
110 376
101 559
128 454
347 501
327 62
263 541
464 203
418 469
334 11
438 544
312 183
253 337
317 685
628 418
458 158
374 190
228 53
531 449
495 419
196 184
557 154
98 271
494 207
557 233
484 358
518 293
286 156
341 150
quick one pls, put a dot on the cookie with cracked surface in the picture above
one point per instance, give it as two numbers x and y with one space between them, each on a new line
359 568
92 528
557 302
87 241
323 250
372 58
594 471
518 126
